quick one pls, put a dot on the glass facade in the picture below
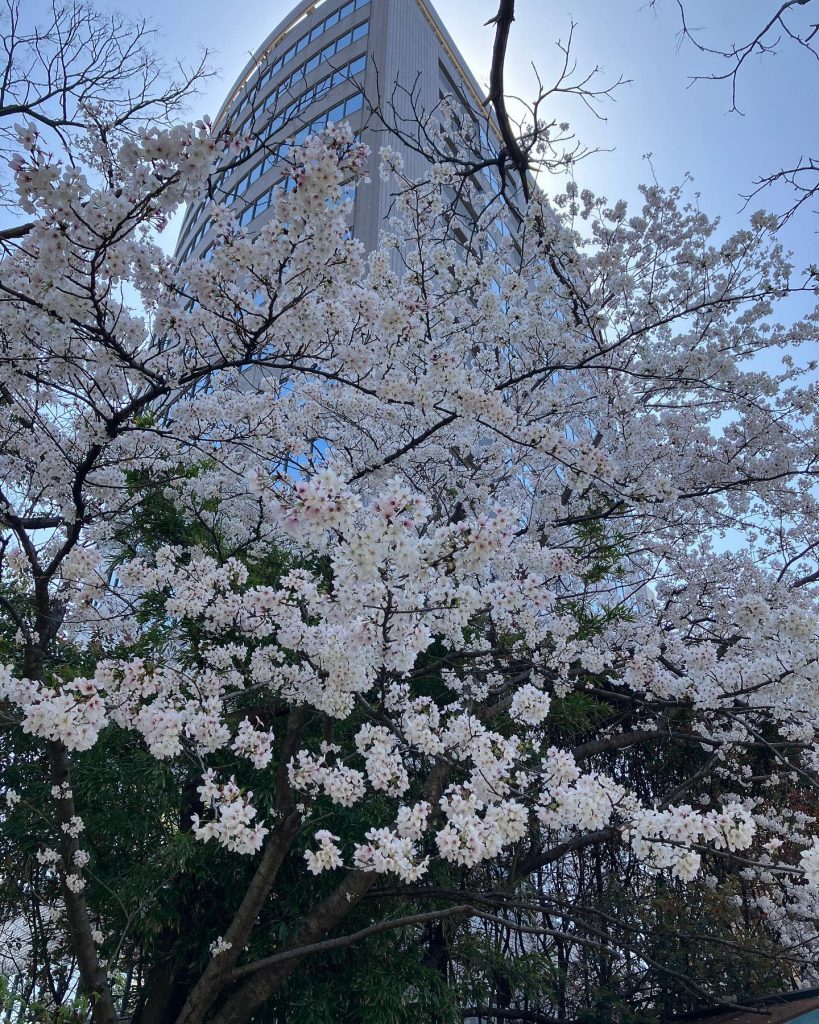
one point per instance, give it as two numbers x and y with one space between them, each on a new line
280 118
281 105
327 53
312 95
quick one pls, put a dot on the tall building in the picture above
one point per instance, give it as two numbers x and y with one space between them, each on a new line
333 60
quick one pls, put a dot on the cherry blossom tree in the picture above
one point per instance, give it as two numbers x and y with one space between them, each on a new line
427 505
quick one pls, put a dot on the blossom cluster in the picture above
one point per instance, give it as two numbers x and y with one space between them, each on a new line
74 713
232 823
662 839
